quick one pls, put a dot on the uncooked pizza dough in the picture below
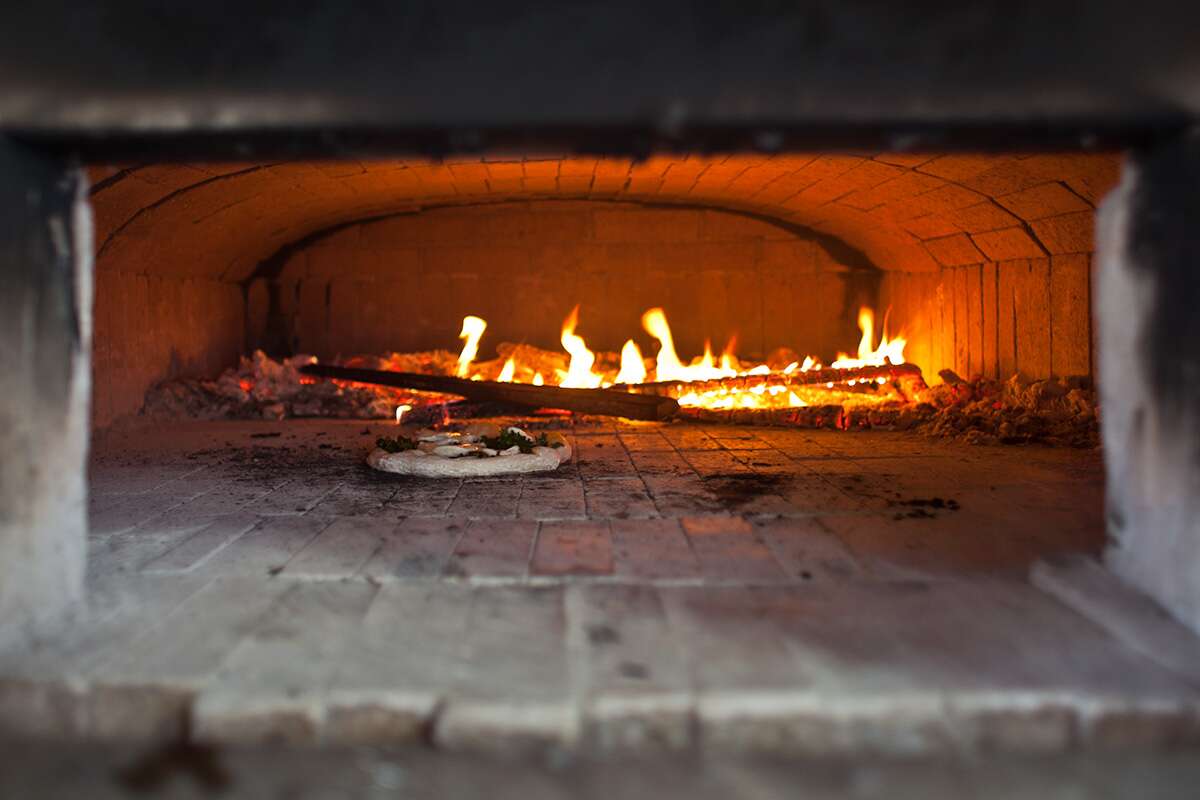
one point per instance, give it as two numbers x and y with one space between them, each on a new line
465 455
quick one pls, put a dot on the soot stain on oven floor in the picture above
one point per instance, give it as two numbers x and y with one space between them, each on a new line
259 462
734 490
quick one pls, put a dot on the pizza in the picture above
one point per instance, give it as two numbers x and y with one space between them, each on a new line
483 450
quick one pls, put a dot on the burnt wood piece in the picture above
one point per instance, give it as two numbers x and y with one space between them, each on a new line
908 375
587 401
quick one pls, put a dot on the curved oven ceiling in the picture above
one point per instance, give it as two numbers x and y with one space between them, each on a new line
904 212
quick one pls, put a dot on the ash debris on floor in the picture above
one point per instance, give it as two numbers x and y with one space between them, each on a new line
923 509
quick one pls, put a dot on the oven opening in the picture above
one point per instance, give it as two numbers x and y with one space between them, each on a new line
773 454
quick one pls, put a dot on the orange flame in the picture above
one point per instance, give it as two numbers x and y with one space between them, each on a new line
582 370
727 355
472 330
579 373
668 367
667 364
510 369
889 351
633 367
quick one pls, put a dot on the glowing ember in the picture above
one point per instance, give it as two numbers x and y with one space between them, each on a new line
400 409
472 330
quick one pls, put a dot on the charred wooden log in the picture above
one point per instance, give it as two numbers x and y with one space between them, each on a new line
587 401
907 376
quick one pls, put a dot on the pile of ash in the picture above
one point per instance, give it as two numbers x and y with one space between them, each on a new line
261 387
1058 411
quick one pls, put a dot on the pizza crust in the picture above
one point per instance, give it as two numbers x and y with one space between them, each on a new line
427 465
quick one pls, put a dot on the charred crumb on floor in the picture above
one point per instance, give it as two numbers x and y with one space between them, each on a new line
916 513
158 768
602 634
633 670
932 502
921 508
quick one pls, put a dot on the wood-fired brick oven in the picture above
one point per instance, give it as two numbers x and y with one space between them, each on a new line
759 178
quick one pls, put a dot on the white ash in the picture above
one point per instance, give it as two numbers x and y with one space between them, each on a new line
261 387
1060 411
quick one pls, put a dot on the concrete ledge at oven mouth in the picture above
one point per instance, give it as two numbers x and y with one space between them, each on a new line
772 723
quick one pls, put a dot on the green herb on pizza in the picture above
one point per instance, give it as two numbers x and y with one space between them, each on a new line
509 437
396 445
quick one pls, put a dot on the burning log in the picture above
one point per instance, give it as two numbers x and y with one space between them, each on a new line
588 401
907 376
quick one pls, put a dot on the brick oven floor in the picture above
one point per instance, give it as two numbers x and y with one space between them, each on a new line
737 589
